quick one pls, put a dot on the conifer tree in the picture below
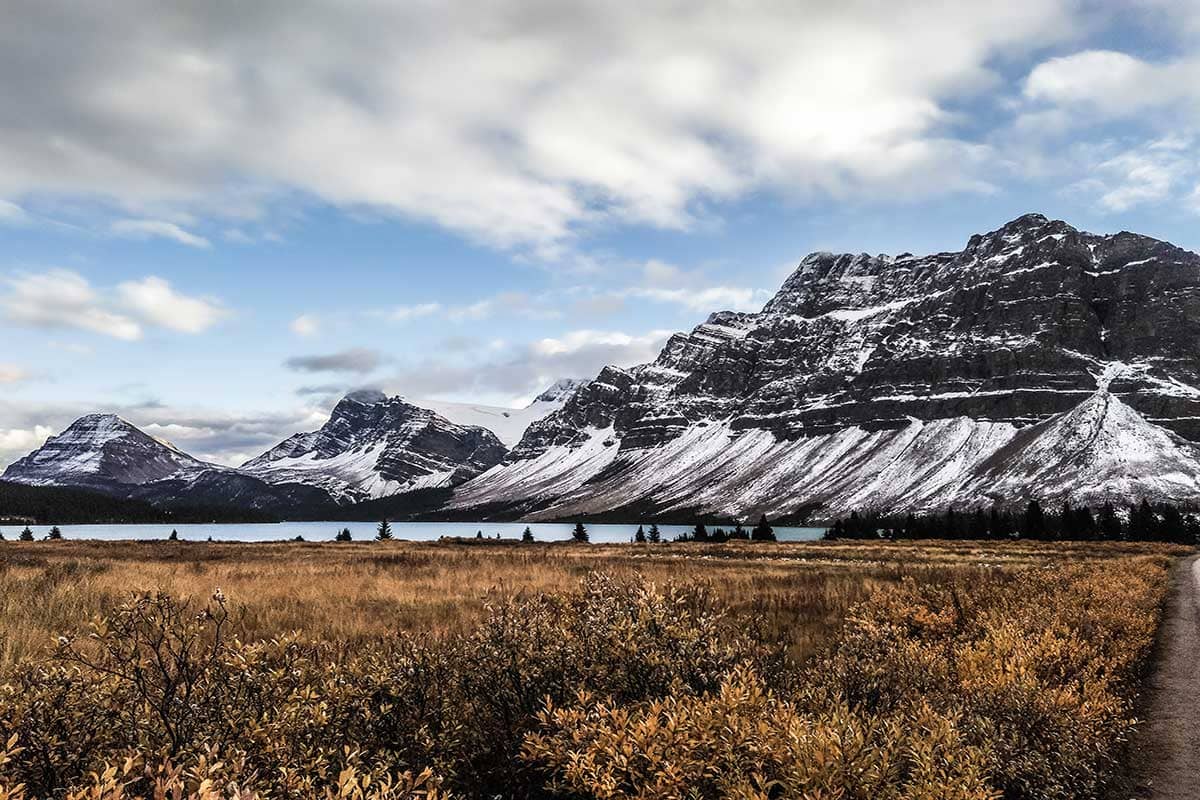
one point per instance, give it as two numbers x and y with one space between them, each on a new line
1109 523
763 532
55 534
174 537
700 533
343 536
27 535
527 534
1143 523
1033 524
580 533
654 536
640 536
384 532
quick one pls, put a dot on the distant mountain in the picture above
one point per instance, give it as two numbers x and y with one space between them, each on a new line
105 453
372 447
1039 361
102 450
375 446
509 424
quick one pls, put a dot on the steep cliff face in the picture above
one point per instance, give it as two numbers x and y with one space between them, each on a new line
1024 365
374 446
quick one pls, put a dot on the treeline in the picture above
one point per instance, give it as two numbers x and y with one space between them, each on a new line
1144 522
46 505
762 532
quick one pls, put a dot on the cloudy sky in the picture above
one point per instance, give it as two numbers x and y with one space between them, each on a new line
217 217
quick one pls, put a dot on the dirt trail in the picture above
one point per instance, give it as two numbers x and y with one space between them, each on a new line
1166 751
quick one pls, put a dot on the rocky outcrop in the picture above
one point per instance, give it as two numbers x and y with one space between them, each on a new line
864 371
374 446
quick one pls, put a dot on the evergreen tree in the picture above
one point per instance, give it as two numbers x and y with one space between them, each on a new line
1143 523
527 535
343 536
2 536
26 535
1033 523
640 536
384 532
1172 527
700 533
763 532
55 534
174 537
1109 524
478 534
740 533
978 527
580 533
654 536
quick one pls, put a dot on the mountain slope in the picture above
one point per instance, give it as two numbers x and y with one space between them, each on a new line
103 450
509 424
374 446
1034 362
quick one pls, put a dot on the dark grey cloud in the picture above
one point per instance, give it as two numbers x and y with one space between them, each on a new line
357 359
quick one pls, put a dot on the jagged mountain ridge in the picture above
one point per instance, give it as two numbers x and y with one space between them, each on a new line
374 446
896 381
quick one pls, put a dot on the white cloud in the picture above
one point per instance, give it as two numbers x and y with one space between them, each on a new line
357 359
153 300
513 122
12 214
405 313
712 298
305 325
64 299
156 229
10 373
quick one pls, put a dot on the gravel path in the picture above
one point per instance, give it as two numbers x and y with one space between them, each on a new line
1166 751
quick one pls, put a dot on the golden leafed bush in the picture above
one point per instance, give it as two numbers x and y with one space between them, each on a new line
970 683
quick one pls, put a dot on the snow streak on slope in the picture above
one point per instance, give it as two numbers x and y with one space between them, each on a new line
509 424
1102 450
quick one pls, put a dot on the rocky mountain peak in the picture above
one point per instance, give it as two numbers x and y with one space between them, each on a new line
951 362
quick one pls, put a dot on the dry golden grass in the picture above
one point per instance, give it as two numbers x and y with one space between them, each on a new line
359 591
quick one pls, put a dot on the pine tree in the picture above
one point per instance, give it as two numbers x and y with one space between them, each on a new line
740 533
343 536
27 535
580 533
1033 524
384 532
55 534
700 533
1143 523
654 536
978 528
527 534
2 536
763 532
1109 523
174 537
640 536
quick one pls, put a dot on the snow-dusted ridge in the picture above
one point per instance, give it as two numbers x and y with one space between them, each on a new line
1039 361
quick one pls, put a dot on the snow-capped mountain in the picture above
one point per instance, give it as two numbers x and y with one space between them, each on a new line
106 453
509 424
1038 361
374 446
102 449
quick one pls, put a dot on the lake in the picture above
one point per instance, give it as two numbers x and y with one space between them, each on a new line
362 531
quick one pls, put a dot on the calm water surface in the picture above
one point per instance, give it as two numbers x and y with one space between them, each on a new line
325 531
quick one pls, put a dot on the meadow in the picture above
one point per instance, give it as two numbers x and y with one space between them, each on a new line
395 670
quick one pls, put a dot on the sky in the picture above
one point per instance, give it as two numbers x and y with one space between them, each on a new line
217 218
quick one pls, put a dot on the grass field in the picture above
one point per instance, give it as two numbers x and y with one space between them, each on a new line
959 669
